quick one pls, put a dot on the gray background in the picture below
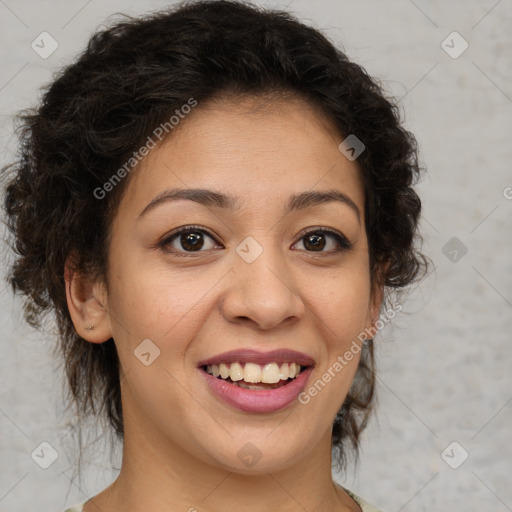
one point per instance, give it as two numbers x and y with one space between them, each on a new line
444 363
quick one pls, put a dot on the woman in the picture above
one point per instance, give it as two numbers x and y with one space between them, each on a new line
217 205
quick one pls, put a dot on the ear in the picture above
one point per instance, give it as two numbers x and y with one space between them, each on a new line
377 294
376 303
88 305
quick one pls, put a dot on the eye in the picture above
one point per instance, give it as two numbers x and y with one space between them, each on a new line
316 240
188 239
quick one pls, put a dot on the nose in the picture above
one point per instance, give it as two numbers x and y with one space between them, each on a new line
262 293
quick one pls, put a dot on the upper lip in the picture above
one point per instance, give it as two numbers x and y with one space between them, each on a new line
248 355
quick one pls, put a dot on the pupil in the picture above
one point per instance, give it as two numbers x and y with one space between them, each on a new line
191 241
317 241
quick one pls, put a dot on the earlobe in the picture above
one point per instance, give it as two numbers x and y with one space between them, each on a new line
373 315
377 303
88 305
377 296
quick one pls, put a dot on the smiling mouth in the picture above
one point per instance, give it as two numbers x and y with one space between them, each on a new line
255 376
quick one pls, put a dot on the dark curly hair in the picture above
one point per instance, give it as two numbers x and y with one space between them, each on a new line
131 77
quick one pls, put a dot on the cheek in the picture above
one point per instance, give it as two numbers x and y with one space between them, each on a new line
342 304
160 305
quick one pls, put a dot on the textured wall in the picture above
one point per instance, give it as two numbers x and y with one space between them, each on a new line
444 363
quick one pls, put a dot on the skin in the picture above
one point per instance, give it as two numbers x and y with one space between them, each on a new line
181 442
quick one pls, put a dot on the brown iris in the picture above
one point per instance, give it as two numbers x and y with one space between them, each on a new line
192 240
315 240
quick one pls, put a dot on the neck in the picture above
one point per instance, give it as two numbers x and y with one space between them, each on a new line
157 474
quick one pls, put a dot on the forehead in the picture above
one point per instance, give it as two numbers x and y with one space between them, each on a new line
261 151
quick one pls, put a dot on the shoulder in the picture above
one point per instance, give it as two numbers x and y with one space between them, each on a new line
365 506
76 508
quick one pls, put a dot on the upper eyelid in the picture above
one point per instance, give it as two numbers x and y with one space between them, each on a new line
302 234
184 229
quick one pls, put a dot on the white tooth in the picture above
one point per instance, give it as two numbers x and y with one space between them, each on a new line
208 368
236 372
252 372
297 366
284 371
215 370
224 370
293 370
270 373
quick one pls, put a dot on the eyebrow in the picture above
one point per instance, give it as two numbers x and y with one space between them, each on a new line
210 198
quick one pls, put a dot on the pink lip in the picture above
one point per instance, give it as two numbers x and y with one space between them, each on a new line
253 356
258 401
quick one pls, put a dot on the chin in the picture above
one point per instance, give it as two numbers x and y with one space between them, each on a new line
259 456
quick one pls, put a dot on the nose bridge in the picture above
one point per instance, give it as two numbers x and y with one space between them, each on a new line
263 289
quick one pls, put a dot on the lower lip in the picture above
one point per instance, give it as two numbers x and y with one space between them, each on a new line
265 400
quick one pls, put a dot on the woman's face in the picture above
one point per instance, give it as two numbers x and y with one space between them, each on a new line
254 273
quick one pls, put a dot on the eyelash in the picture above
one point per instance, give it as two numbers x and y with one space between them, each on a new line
342 241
